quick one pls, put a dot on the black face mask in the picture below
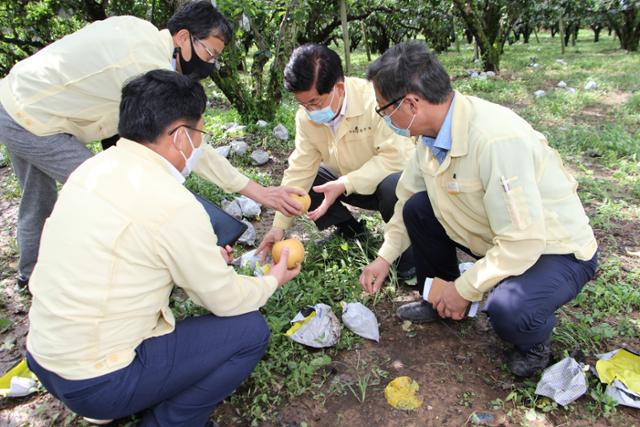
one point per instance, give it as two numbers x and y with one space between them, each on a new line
195 68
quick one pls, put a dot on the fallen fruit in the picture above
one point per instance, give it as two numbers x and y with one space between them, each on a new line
296 252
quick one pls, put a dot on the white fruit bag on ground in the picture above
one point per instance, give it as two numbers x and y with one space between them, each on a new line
360 320
319 329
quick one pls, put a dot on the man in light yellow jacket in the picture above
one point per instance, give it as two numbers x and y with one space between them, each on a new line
482 180
66 96
123 233
344 152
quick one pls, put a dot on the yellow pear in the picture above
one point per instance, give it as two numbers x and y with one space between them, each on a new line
296 252
305 201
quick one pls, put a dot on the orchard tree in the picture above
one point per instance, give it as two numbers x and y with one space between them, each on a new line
490 22
624 17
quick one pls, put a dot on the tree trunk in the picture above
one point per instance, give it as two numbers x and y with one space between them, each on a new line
562 43
535 33
628 31
96 10
526 33
366 40
596 32
476 50
345 36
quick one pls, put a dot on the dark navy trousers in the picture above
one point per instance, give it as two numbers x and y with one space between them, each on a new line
521 308
179 377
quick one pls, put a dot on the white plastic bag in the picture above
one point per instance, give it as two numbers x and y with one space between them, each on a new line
361 321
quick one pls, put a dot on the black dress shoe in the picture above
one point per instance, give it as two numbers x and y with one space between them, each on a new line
406 274
526 364
417 312
22 282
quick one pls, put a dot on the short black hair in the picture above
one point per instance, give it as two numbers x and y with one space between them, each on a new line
202 20
153 101
313 66
410 67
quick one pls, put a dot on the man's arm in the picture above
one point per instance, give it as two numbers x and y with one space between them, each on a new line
396 239
392 155
187 247
514 208
215 168
304 163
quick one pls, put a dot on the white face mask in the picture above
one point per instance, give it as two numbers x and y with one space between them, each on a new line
191 161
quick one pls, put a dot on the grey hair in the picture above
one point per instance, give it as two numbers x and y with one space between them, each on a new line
410 67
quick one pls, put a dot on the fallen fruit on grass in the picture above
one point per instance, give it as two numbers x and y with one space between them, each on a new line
304 200
401 394
296 252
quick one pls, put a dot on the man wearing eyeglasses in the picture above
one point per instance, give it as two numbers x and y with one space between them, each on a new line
484 181
344 153
66 96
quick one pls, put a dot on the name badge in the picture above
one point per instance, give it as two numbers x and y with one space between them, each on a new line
453 187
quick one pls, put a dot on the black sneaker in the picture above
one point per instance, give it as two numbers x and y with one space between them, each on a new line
526 364
417 312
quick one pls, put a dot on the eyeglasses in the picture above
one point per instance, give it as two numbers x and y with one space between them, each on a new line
206 136
379 110
213 55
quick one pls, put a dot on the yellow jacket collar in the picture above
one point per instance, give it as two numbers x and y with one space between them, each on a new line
355 101
145 153
460 126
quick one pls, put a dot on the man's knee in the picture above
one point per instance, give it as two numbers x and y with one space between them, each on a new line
511 317
415 207
257 324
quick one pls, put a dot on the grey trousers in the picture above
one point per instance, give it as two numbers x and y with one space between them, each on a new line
38 162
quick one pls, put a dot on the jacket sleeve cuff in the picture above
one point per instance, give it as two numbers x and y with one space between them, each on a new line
281 221
466 289
271 283
348 186
389 252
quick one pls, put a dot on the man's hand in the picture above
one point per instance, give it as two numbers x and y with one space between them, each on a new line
332 190
274 197
451 304
227 254
274 235
373 275
280 271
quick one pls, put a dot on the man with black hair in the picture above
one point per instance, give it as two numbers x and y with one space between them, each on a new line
66 96
344 152
484 181
123 233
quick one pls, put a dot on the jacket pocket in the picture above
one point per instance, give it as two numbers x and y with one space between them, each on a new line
518 208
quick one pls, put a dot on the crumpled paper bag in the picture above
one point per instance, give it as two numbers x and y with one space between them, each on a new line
563 382
621 370
18 382
253 262
401 393
319 329
360 320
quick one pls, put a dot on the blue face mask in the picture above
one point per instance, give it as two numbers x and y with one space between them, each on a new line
323 115
400 131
